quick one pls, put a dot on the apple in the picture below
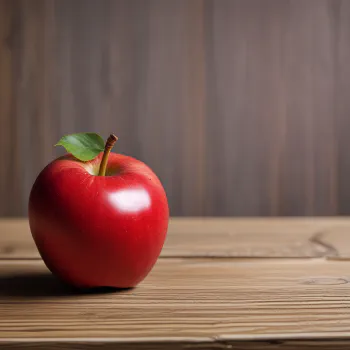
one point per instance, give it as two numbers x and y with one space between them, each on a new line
100 222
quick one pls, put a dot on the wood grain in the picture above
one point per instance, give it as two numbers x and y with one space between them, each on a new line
183 299
219 284
221 238
203 344
240 107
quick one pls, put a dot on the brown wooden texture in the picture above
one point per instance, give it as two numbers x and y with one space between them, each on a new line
182 299
269 344
241 107
219 284
190 345
221 237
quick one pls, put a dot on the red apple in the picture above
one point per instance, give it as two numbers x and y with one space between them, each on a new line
95 230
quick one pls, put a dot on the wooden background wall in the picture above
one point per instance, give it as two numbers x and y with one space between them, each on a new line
242 107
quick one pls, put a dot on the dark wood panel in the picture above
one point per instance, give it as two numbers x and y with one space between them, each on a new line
241 107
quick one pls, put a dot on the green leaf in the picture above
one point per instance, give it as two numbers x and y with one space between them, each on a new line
84 146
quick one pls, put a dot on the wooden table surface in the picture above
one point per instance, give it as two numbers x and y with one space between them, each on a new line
219 284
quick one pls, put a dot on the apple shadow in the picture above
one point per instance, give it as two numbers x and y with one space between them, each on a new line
44 284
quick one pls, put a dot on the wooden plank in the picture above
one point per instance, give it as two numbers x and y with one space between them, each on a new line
338 240
200 344
253 237
213 302
16 240
221 237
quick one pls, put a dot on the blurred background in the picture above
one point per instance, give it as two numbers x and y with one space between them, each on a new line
242 107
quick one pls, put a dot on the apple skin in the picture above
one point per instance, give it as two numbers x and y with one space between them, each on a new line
98 231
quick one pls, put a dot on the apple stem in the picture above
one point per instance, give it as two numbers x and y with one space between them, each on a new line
112 139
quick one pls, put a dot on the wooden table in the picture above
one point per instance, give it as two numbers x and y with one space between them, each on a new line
219 284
